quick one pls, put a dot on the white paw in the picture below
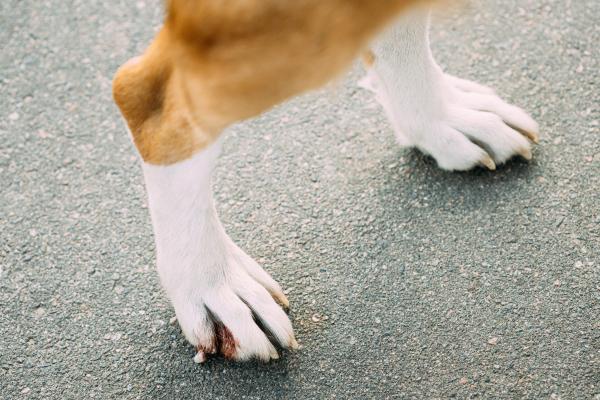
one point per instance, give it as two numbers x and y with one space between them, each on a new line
460 123
220 312
220 294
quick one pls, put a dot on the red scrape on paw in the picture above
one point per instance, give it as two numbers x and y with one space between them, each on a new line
226 342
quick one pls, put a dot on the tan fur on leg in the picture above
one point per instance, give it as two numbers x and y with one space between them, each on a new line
216 62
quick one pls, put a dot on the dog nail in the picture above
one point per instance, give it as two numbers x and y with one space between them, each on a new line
525 153
489 163
281 299
294 344
200 357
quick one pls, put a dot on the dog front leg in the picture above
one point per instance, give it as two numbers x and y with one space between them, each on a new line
214 286
459 123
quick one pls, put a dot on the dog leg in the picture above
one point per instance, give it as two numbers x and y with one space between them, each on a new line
461 124
214 286
211 65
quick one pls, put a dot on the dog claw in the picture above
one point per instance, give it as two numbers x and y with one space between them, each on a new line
489 163
526 154
282 300
294 344
533 137
200 357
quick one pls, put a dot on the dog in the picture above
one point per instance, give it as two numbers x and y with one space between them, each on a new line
217 62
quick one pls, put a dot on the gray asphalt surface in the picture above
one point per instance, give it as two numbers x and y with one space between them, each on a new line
405 281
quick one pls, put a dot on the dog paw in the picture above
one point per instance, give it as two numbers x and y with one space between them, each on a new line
461 124
481 129
230 309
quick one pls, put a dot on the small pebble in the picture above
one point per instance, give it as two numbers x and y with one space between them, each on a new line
288 290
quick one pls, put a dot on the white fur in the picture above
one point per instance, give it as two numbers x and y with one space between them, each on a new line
201 268
442 115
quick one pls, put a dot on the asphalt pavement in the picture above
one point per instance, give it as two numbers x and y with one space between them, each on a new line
406 282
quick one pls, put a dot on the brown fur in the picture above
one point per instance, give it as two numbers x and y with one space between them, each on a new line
216 62
226 342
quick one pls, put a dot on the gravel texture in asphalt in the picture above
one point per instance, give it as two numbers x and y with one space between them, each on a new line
405 281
